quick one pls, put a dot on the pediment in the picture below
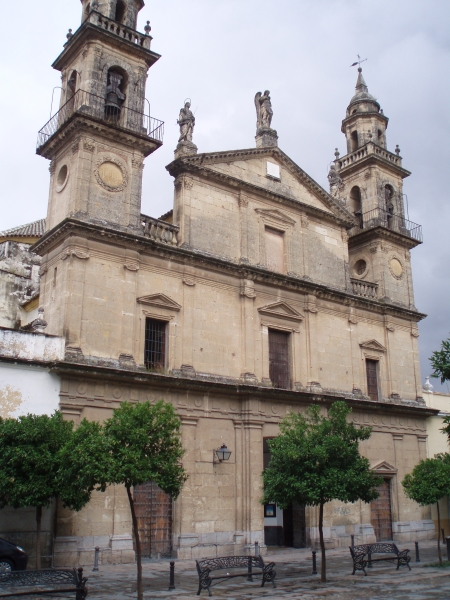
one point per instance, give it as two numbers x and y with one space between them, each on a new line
282 311
295 184
160 300
373 345
383 468
275 215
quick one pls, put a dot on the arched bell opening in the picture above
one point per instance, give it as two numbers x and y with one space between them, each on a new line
354 141
389 204
356 204
120 12
72 83
86 10
115 93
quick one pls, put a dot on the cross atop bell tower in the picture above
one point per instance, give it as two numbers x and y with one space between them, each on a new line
102 132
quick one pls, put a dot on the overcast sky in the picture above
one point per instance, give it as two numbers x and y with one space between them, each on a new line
220 53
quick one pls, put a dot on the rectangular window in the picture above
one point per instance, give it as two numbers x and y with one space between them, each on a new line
372 378
155 344
274 247
279 371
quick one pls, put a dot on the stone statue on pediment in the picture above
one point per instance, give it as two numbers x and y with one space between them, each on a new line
335 182
186 121
265 135
264 111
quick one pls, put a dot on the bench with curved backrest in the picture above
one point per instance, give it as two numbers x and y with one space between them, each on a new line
363 555
253 565
43 583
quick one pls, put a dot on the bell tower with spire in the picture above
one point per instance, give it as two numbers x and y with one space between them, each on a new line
98 139
369 181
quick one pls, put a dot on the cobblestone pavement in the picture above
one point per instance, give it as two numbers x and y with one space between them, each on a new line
294 579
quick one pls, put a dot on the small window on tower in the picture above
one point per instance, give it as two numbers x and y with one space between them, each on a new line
155 344
354 140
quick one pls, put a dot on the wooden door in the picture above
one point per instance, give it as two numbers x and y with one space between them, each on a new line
279 371
380 512
372 378
154 515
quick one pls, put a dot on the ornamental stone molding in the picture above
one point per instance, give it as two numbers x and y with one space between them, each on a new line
88 145
111 174
81 254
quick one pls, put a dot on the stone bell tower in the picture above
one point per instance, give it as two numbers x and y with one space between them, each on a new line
96 143
99 137
369 180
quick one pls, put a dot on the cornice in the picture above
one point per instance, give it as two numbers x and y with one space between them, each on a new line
244 390
107 234
366 236
89 31
371 159
79 122
197 163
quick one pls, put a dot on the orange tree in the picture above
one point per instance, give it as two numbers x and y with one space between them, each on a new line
315 460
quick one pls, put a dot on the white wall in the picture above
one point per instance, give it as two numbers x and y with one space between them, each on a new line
27 389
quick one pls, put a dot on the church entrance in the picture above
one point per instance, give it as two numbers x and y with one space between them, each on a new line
154 516
380 512
283 527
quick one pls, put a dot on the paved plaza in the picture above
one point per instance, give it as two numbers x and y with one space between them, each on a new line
294 579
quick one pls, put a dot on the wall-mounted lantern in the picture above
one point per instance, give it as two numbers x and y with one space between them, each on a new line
222 453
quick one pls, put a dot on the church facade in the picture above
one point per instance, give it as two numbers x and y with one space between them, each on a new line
258 294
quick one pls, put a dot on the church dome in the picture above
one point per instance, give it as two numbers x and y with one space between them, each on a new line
362 96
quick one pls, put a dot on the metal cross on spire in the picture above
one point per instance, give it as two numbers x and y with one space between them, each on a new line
358 62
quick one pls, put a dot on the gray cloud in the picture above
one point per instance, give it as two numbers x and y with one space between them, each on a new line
219 54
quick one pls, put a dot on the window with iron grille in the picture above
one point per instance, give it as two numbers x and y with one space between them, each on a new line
372 378
279 369
155 344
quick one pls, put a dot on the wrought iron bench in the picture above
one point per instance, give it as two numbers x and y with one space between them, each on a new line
362 555
44 582
206 566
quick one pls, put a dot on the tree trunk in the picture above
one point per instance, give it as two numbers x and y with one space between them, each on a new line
138 545
323 565
38 536
439 533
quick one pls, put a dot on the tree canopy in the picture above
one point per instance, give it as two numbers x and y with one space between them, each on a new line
316 459
428 483
29 462
440 361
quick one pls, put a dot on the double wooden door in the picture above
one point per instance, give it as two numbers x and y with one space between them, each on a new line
380 512
154 515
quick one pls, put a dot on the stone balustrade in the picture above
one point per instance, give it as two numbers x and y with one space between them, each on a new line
366 289
365 151
140 39
160 231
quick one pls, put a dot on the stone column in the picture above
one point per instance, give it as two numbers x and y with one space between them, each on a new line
184 537
311 332
129 295
248 329
253 467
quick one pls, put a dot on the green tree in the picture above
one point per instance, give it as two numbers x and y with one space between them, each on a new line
440 361
29 463
315 460
144 444
428 483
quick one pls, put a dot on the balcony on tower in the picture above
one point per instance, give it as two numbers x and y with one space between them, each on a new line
387 220
101 110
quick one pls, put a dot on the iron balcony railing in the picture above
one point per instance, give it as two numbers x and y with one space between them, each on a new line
382 218
84 103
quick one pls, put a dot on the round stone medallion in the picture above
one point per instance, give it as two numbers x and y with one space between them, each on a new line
396 268
111 174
